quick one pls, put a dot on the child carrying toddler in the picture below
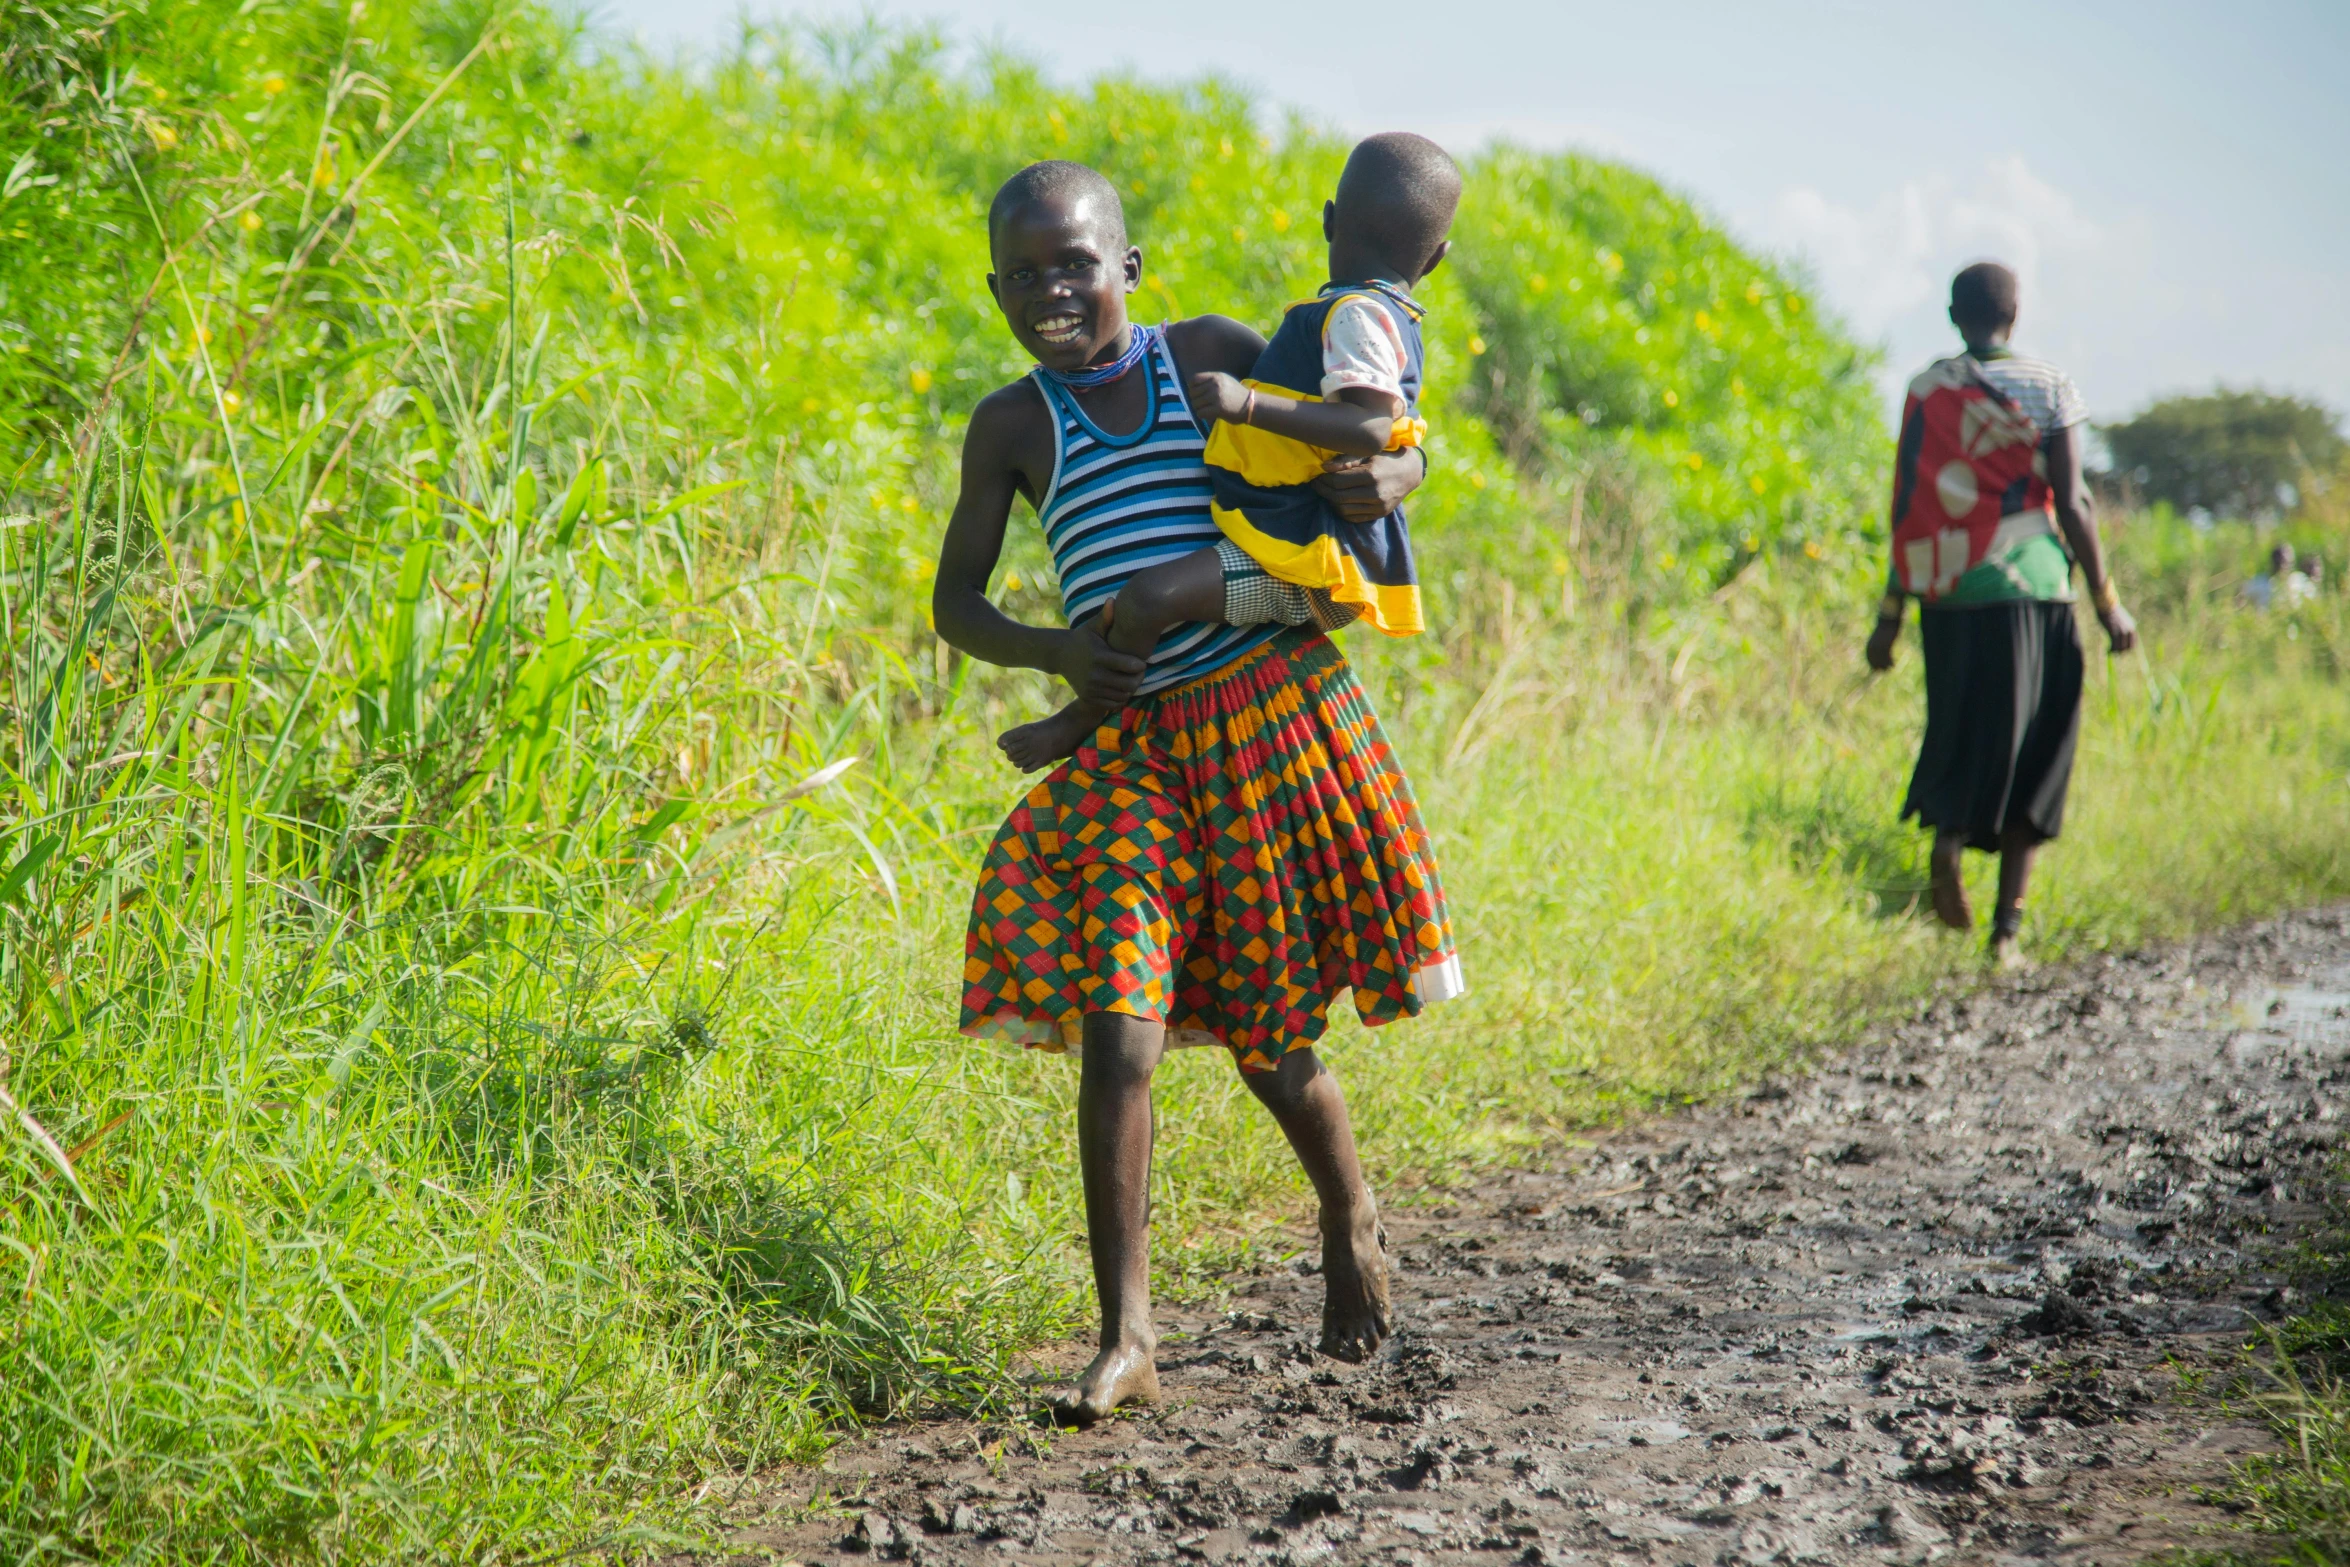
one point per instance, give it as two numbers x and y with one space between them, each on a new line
1287 557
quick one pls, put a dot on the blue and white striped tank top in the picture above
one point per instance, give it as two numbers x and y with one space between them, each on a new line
1119 503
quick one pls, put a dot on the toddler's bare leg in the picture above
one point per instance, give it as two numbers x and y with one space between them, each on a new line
1303 1095
1114 1152
1190 587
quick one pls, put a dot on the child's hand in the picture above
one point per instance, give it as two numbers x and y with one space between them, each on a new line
1096 671
1215 395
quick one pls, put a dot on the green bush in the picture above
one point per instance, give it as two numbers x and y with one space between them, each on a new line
488 830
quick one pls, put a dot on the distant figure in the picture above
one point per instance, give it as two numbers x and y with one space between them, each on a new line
1987 494
2284 584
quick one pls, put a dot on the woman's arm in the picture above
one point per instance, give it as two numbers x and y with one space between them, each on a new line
2076 515
959 606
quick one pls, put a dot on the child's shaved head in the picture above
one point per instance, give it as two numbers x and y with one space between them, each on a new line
1983 295
1396 199
1060 182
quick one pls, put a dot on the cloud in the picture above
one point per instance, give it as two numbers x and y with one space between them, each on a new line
1886 259
1886 266
2132 307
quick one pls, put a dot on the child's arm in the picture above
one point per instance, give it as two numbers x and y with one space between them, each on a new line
959 605
1357 422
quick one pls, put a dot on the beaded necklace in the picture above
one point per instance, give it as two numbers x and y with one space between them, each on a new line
1138 343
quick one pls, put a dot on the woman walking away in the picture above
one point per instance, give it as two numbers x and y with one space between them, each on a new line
1989 519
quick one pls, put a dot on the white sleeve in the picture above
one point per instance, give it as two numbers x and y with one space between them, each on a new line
2066 405
1362 348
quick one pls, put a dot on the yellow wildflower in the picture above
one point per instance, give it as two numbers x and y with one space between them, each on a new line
918 378
1476 345
273 85
1280 221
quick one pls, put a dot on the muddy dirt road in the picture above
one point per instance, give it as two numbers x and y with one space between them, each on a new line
1922 1305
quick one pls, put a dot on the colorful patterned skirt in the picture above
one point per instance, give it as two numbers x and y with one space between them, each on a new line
1225 858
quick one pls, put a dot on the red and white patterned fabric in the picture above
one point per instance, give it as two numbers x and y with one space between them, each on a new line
1970 456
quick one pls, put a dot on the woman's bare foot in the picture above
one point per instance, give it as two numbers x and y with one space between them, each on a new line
1355 1313
1120 1375
1950 900
1035 747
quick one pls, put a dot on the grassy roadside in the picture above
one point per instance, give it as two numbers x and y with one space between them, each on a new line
485 831
495 1231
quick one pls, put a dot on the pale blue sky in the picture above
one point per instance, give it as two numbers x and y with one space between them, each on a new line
2169 178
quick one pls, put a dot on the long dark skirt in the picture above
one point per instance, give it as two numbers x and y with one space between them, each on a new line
2003 710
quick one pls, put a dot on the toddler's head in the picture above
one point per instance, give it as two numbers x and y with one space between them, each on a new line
1394 207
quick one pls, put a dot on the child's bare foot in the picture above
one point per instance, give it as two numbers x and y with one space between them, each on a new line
1355 1314
1950 900
1120 1375
1035 747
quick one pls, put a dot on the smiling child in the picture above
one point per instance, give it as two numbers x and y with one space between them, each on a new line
1234 845
1287 557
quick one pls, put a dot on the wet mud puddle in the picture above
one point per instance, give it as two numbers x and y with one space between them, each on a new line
1929 1303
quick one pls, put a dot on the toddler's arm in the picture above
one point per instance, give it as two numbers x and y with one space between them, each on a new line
1357 422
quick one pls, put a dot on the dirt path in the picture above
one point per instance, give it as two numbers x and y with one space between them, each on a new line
1922 1305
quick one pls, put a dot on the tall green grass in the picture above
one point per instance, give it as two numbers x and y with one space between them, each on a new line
488 830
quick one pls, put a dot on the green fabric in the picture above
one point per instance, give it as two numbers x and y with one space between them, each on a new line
2037 568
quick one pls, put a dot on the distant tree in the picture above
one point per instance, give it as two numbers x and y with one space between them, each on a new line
2237 454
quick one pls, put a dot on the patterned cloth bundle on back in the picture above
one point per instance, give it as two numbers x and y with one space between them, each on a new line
1973 521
